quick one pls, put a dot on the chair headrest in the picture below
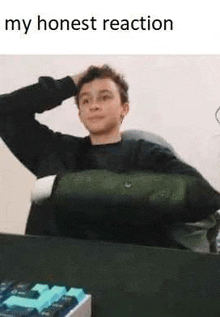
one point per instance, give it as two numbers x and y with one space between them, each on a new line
148 136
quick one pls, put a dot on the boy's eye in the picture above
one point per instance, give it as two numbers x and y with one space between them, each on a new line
105 97
84 101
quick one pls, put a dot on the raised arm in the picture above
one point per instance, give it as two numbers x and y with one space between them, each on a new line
26 138
44 95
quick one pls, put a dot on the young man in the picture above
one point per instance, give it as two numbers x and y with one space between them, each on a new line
101 186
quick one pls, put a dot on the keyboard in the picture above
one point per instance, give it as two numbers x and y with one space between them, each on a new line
31 299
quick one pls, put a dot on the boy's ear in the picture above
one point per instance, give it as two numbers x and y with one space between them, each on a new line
79 114
126 108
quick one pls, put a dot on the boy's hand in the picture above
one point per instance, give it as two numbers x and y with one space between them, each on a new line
77 77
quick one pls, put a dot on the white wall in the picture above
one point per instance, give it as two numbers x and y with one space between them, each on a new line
173 96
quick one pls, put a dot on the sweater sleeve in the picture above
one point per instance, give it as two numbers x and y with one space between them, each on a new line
28 140
46 94
135 198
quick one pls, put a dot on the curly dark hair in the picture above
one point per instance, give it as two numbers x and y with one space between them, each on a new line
105 71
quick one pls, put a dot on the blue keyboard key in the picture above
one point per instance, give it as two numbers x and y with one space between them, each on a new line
78 293
40 288
46 298
25 299
23 289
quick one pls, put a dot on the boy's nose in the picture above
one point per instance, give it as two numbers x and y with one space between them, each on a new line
94 105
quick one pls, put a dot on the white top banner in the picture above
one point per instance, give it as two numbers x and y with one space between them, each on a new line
110 27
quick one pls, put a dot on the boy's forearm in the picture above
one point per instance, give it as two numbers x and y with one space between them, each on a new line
44 95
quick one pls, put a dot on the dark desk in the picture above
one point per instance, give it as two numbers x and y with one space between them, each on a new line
124 280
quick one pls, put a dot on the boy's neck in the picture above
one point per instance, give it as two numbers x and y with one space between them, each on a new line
105 139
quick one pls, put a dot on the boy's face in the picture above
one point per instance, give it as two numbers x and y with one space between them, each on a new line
100 107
